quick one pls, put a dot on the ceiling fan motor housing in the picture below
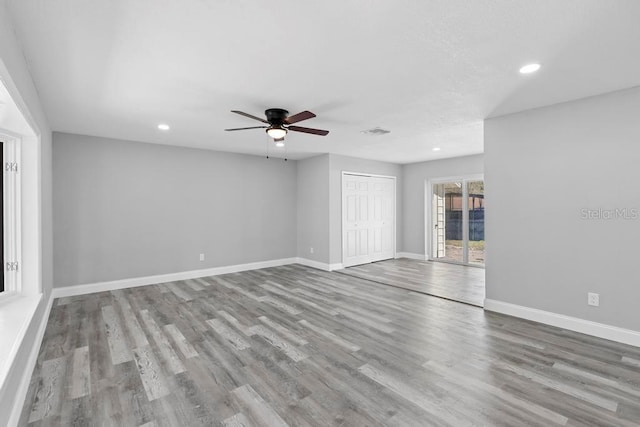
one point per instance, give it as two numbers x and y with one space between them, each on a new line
276 116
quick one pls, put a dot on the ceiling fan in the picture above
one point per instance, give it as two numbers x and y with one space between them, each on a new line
279 123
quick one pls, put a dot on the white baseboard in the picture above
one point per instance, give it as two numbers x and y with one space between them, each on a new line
410 255
23 387
600 330
163 278
319 265
337 266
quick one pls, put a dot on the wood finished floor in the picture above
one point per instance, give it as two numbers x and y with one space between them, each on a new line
302 347
455 282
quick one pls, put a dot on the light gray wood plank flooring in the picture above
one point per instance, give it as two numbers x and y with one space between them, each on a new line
455 282
301 347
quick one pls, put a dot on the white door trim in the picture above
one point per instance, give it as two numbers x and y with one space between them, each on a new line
12 229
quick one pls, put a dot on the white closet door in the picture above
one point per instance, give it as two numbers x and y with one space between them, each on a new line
355 219
382 221
368 219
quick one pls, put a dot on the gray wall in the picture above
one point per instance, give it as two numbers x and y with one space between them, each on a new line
563 159
338 164
415 176
14 64
125 209
313 208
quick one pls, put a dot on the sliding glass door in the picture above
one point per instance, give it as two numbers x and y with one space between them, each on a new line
457 221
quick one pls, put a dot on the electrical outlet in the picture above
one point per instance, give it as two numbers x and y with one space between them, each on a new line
201 257
593 299
311 250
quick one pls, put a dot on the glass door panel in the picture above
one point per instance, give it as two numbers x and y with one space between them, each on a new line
475 209
448 222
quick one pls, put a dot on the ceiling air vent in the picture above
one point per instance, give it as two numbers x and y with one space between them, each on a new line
376 131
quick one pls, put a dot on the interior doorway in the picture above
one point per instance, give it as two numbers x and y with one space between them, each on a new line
368 218
455 231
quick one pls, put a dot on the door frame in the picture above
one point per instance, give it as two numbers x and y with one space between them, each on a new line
12 215
342 210
428 215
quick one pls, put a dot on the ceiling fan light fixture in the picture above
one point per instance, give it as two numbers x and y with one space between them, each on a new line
276 132
280 143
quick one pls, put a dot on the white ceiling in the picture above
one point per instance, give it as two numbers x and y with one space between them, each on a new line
428 71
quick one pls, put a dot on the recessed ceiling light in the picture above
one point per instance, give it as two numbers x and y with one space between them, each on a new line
436 148
163 126
529 68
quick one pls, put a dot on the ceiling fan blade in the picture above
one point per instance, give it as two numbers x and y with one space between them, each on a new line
252 127
250 116
304 115
308 130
